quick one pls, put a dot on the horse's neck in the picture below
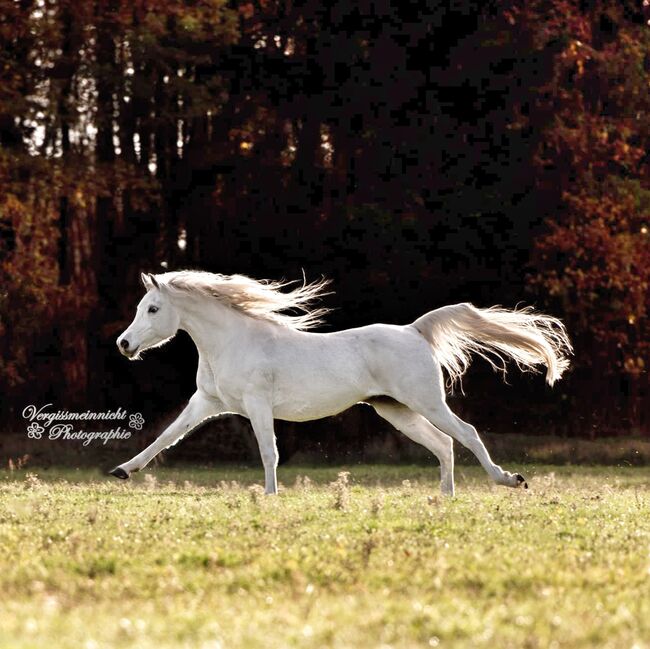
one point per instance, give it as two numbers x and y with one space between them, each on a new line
210 324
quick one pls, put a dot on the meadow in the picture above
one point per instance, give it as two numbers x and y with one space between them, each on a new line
356 556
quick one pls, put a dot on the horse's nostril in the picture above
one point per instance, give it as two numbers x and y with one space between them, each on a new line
124 343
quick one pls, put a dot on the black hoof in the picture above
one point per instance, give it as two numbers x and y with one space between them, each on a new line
120 473
520 479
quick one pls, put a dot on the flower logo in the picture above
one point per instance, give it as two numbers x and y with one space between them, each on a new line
136 421
35 430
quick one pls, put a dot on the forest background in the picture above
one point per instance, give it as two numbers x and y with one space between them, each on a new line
416 153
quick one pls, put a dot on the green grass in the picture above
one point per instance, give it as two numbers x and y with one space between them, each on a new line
177 558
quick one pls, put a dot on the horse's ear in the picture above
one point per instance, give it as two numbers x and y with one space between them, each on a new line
149 281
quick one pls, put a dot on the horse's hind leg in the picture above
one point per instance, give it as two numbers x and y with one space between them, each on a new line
423 432
441 416
427 398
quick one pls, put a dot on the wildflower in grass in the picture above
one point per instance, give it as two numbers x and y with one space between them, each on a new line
31 625
126 626
232 500
32 480
341 491
91 515
302 482
19 462
366 549
377 503
256 492
229 485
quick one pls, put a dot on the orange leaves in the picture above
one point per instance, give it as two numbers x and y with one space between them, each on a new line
556 19
634 365
246 10
604 271
595 254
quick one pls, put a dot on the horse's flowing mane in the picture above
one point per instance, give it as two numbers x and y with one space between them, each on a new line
262 299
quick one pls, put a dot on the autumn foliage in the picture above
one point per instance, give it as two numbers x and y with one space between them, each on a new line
594 255
419 154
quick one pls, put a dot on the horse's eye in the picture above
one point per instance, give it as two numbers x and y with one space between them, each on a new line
152 309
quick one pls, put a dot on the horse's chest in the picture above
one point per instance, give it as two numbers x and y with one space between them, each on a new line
224 384
223 389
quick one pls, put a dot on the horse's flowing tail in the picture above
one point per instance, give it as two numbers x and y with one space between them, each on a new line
530 338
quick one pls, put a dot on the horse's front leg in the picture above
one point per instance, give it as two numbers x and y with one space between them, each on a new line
260 413
199 408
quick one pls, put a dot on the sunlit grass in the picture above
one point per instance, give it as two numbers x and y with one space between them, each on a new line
201 558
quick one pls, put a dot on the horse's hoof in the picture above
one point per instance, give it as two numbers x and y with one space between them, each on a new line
120 473
520 479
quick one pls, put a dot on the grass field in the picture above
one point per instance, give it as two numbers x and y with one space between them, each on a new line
200 558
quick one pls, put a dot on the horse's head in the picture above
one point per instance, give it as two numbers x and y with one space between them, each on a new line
156 320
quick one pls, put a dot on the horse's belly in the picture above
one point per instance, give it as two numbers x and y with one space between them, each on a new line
308 412
303 404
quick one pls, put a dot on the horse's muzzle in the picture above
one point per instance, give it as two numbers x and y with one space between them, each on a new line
124 347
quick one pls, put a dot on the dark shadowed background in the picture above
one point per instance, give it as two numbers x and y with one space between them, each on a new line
418 155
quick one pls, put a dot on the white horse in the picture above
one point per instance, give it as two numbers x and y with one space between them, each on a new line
259 362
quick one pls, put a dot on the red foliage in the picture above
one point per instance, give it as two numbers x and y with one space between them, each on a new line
593 170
